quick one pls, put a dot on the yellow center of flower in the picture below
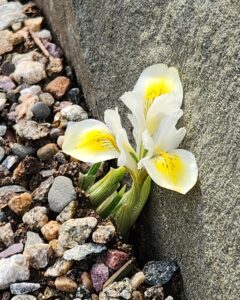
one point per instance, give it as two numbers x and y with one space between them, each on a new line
95 141
170 166
156 88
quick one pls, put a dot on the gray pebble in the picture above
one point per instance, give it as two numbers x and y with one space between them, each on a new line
80 252
2 153
21 150
61 193
24 288
40 111
3 129
2 141
55 133
24 297
10 161
47 99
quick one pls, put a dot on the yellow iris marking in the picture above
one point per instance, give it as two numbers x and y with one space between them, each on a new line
95 141
156 88
170 166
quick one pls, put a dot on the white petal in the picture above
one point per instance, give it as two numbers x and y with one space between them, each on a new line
168 137
127 155
176 170
161 107
112 120
90 141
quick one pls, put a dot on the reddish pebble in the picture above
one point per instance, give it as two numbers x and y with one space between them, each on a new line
99 274
115 259
58 86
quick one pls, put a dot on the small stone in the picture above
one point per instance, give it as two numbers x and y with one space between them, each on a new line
29 72
56 247
40 111
75 231
74 113
137 280
94 297
39 255
54 66
24 109
15 268
87 281
66 284
68 212
3 100
20 203
61 193
55 133
115 259
82 293
34 24
47 152
16 26
60 267
155 292
33 90
99 275
103 233
41 192
2 153
6 83
136 295
80 252
53 49
22 151
6 42
11 250
7 68
24 297
3 130
47 99
31 130
74 95
33 238
59 86
169 298
50 230
60 141
24 288
36 217
159 272
117 290
11 13
49 293
6 234
44 35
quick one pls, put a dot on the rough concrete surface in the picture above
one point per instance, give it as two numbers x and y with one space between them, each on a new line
109 43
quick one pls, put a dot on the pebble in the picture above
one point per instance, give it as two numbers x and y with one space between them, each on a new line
47 99
41 192
154 292
24 109
40 111
115 259
55 133
59 86
57 248
87 281
16 26
80 252
74 113
66 284
36 217
47 152
34 24
29 72
61 193
10 13
99 274
24 297
50 230
74 95
103 233
137 279
34 90
3 129
44 35
21 150
60 141
68 212
117 290
33 238
136 295
60 267
6 234
15 268
159 272
24 288
54 66
3 100
82 293
11 189
20 203
7 68
38 254
6 83
11 250
6 42
31 130
2 153
169 298
53 49
74 232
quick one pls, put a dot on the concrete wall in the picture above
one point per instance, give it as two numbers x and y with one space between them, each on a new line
109 43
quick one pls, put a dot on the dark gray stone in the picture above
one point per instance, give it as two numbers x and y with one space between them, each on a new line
111 43
22 151
40 111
